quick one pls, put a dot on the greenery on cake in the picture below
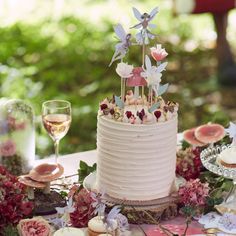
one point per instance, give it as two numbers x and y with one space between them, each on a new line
133 106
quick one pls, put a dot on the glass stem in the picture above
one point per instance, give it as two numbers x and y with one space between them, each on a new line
56 145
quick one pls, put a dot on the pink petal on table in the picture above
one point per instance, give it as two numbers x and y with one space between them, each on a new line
136 79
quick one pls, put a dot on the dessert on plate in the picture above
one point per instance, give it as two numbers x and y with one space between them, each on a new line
227 157
97 226
137 130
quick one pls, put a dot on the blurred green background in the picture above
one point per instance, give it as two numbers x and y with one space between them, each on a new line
61 50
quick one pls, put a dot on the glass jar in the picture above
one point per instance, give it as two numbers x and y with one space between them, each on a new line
17 136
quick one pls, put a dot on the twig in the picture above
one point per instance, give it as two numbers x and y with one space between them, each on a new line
187 225
165 230
68 176
140 227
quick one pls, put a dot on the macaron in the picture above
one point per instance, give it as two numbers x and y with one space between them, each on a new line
96 227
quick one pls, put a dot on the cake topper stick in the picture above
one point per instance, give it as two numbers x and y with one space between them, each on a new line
122 47
124 71
232 132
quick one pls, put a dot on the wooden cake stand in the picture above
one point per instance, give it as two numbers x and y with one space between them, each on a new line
140 212
147 212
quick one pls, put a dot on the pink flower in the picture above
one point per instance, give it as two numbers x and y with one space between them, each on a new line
7 148
83 207
14 204
36 226
194 193
158 53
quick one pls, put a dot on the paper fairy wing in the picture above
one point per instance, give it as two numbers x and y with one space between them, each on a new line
153 13
120 32
60 210
161 67
137 14
70 206
148 63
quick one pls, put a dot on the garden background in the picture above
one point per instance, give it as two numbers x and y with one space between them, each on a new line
60 49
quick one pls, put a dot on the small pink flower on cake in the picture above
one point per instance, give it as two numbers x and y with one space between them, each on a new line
124 70
158 53
36 226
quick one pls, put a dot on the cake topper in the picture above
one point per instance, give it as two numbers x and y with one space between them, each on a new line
232 132
123 45
143 36
132 106
153 77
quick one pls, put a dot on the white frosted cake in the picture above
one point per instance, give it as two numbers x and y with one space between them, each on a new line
137 132
136 162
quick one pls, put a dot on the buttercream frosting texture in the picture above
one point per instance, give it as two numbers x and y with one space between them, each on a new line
136 162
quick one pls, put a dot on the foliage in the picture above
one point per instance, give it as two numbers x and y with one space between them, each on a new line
84 170
10 231
68 59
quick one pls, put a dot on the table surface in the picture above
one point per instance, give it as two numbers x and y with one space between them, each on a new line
70 163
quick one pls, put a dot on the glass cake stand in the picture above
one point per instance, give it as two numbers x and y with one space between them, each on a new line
209 160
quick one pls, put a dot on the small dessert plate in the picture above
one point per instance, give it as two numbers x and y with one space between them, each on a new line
227 227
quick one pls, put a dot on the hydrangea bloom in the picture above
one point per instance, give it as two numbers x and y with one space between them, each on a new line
14 204
194 193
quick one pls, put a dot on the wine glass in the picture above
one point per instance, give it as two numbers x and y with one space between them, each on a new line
56 115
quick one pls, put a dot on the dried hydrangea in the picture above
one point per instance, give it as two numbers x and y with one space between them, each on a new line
84 210
194 193
14 204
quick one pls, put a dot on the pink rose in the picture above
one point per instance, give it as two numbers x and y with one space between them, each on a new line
36 226
158 53
7 148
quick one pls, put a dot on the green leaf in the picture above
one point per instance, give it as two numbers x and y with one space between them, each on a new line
162 89
154 107
83 165
119 102
227 185
85 170
9 230
216 193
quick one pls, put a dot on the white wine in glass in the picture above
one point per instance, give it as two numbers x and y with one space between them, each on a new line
56 115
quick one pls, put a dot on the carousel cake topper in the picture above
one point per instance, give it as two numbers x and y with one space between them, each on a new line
133 106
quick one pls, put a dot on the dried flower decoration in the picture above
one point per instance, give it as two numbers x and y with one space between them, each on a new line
14 204
194 193
84 211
